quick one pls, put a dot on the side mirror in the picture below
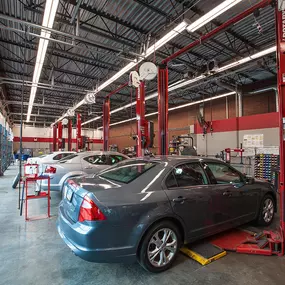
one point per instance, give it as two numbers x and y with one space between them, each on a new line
250 180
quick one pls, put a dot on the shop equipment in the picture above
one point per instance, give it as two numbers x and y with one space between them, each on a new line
33 182
238 151
204 252
179 145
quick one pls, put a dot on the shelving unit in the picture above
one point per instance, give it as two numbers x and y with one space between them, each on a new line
265 166
6 147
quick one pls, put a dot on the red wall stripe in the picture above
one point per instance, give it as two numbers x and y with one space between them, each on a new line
260 121
49 140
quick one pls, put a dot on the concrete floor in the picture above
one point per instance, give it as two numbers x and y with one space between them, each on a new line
33 253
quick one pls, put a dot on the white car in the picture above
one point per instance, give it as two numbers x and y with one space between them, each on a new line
50 158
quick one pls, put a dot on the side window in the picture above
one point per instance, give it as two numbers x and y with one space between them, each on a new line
65 154
97 159
58 157
224 174
171 181
184 175
116 158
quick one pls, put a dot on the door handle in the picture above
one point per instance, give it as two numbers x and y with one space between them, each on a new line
227 193
88 167
179 199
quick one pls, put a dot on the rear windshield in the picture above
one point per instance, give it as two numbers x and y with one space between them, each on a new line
127 172
41 156
67 158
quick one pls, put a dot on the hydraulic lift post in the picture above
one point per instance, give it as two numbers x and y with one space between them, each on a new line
54 131
69 135
59 127
140 116
106 116
106 123
162 82
78 133
280 23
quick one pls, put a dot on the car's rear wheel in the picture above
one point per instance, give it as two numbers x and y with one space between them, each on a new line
266 212
159 247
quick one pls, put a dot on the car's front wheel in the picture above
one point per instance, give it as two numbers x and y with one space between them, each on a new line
266 212
160 247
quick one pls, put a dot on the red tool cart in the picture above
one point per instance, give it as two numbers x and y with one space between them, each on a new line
33 181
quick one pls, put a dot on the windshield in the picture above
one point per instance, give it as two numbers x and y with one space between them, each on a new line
125 172
67 158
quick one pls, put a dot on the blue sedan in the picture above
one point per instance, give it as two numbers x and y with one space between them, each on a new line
145 209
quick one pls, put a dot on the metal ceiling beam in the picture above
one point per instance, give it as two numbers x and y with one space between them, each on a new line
34 115
229 31
152 8
10 59
10 102
107 16
65 54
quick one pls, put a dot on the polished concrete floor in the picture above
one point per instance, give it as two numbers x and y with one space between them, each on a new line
33 253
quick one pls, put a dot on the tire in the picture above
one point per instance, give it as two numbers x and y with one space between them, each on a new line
16 181
267 211
153 241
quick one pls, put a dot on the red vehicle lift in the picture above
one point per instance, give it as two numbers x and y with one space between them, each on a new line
106 123
106 116
54 139
274 240
59 128
163 74
78 133
69 135
141 121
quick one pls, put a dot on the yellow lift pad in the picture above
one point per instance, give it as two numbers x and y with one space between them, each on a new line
204 253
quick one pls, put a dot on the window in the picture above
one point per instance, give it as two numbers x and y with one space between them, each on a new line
224 174
125 173
98 159
184 175
68 158
58 156
61 156
116 158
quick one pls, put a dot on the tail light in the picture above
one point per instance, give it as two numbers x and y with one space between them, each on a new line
89 211
50 169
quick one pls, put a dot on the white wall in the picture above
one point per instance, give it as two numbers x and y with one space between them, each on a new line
213 144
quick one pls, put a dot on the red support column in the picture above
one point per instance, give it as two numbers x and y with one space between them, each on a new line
106 123
54 130
280 22
162 82
59 135
78 133
69 135
140 115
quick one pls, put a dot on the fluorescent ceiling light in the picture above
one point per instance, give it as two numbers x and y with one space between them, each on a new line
217 11
48 20
182 83
223 7
247 59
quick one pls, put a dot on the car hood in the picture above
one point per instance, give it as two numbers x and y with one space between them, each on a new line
93 183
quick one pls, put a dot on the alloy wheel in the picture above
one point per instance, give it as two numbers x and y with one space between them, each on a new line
268 210
162 247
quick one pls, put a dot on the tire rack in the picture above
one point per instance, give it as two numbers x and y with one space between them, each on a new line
6 150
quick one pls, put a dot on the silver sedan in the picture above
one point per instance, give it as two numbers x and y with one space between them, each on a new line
78 164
